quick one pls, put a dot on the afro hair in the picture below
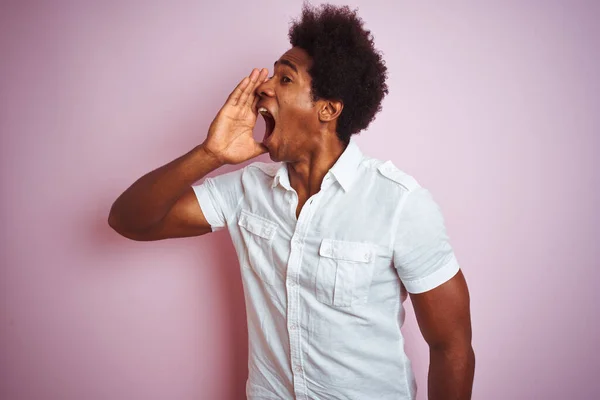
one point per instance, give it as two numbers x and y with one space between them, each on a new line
346 66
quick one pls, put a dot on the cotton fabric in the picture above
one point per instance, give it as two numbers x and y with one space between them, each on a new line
324 291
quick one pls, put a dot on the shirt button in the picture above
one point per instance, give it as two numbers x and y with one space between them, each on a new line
293 327
292 283
298 368
297 240
366 256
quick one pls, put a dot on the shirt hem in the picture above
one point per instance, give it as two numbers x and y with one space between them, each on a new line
435 279
206 205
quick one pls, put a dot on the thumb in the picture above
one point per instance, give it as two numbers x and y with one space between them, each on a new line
259 149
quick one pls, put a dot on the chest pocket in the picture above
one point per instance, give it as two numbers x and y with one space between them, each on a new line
258 234
344 272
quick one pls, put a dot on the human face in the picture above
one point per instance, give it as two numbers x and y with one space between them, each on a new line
291 116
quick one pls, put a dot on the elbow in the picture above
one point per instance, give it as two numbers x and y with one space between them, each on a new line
459 352
113 222
138 236
456 346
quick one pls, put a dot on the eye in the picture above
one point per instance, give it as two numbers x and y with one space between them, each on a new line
285 79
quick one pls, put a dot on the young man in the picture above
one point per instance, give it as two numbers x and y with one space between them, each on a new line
330 241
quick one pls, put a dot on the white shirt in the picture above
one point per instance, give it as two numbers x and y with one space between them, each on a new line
324 292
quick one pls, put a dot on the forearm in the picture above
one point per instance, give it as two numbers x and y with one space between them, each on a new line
151 197
451 373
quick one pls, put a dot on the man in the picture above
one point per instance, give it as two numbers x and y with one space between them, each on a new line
329 240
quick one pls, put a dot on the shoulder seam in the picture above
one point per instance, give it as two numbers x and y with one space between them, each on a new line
393 173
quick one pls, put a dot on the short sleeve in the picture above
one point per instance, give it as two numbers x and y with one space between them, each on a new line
423 256
219 196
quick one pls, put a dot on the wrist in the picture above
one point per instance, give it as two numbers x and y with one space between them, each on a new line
212 157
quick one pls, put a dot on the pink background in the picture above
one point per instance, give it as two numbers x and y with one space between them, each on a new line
493 106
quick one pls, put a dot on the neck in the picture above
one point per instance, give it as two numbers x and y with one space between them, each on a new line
307 173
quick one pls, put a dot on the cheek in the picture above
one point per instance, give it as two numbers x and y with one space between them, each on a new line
299 113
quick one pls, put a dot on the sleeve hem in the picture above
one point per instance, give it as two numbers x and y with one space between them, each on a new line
205 201
433 280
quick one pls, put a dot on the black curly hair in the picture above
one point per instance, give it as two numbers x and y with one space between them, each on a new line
346 65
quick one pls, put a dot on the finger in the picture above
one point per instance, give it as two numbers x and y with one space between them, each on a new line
259 81
259 149
249 89
262 77
254 103
234 97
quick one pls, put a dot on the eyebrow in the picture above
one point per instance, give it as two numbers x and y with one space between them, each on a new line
288 63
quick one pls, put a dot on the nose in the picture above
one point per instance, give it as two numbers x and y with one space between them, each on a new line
265 89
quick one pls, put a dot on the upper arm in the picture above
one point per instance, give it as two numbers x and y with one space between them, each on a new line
429 270
423 256
184 219
203 208
443 313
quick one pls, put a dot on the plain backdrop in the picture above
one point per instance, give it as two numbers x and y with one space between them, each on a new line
493 106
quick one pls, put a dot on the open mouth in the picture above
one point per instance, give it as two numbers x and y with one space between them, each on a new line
269 122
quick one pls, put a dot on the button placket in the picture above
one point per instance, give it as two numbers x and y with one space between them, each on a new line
293 306
292 279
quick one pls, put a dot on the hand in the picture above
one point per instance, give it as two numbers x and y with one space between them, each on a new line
230 137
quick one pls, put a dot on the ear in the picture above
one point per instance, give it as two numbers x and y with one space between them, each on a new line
330 110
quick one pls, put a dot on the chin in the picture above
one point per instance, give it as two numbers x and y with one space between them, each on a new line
273 157
272 153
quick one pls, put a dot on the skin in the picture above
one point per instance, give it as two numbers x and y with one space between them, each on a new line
308 142
305 131
444 318
161 204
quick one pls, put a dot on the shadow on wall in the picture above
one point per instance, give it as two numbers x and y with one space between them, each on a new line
180 134
222 270
228 283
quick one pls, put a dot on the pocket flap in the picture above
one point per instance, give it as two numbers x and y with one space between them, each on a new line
257 225
344 250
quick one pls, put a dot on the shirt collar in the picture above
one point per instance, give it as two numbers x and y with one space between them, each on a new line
344 170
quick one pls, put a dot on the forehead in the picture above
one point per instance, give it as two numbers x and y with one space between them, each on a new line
297 56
